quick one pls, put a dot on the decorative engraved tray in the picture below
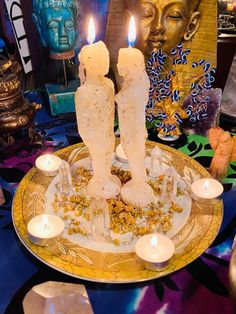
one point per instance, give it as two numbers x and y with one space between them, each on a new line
191 241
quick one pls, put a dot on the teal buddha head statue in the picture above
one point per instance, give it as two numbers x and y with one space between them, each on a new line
56 21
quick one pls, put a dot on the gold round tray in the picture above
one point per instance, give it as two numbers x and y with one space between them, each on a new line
191 241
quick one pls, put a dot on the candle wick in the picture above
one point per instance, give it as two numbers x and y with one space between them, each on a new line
154 245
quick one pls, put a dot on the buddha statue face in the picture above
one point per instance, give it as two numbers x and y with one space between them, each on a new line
162 24
56 23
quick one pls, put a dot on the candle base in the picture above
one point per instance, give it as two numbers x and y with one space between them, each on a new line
124 161
48 174
120 154
206 201
160 266
179 142
43 242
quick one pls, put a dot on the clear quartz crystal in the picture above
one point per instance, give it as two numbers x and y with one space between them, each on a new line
156 162
66 186
57 297
99 220
170 180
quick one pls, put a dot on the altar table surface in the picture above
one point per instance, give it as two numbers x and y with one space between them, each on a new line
200 287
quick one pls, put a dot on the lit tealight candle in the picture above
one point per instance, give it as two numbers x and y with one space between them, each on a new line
48 164
120 154
45 230
207 190
154 251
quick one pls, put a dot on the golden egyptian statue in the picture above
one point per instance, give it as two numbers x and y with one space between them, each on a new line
162 24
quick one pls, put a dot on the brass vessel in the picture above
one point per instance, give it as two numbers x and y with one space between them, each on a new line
16 112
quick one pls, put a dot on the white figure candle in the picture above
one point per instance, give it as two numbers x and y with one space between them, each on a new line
131 101
94 102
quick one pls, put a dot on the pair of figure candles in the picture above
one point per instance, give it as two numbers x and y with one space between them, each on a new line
95 116
95 107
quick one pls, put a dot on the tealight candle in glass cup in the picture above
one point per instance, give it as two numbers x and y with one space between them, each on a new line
207 190
45 229
48 164
154 251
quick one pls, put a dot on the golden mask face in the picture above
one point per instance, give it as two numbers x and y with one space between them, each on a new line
162 24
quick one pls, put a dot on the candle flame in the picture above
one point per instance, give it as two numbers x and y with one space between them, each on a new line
45 221
154 242
206 185
132 32
91 31
49 160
